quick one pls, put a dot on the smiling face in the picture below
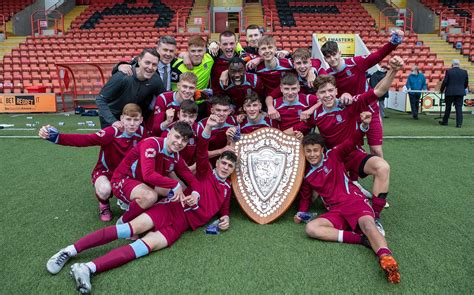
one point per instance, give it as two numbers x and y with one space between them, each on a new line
175 142
290 92
313 153
147 66
334 60
302 66
167 52
224 167
228 45
186 89
196 53
131 124
221 111
189 118
252 109
252 37
236 73
267 51
327 95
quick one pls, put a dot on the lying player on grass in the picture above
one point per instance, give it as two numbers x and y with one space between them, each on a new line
208 195
350 218
336 123
114 145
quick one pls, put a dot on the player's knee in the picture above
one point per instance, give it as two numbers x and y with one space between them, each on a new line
313 230
103 190
382 168
148 198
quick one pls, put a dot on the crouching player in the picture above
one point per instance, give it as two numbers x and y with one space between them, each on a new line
350 218
114 145
164 222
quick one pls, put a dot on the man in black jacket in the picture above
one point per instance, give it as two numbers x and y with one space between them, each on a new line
139 88
455 86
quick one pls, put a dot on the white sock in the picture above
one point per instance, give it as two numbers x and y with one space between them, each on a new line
91 266
340 236
71 250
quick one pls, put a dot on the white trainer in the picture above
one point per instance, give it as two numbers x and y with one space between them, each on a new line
57 261
82 276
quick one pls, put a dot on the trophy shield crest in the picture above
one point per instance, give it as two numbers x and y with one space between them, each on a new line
269 173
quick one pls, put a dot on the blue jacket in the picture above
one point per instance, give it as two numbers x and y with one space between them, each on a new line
416 82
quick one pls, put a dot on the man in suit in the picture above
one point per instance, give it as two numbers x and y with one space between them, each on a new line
455 86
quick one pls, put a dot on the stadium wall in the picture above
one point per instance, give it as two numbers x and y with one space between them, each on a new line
423 17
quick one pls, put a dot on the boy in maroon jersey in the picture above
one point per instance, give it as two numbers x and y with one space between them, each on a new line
350 77
163 224
114 145
188 112
241 84
292 104
220 106
143 175
337 123
172 99
254 118
350 219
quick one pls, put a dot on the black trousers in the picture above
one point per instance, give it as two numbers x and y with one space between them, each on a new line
457 101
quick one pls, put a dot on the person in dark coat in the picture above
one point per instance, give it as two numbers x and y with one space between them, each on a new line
455 85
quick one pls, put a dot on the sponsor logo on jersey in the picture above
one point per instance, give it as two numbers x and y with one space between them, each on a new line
101 133
150 153
205 66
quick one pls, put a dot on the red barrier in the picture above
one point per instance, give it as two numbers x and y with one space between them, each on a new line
82 81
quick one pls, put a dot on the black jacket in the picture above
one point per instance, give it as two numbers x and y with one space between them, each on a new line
455 82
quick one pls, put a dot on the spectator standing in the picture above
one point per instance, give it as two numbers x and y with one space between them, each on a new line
416 81
455 85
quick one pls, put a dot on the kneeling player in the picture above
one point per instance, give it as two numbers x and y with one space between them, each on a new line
165 221
114 145
350 218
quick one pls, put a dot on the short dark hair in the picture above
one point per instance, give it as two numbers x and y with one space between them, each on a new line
223 100
151 51
289 79
254 27
167 40
184 129
313 138
322 80
329 48
229 155
236 60
251 97
227 34
189 106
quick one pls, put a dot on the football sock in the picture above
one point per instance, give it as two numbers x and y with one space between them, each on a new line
383 251
349 237
378 203
71 250
121 255
91 266
133 211
104 236
104 202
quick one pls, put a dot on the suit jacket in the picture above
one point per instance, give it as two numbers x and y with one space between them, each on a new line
455 82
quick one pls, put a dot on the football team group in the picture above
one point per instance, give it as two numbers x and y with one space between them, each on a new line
169 124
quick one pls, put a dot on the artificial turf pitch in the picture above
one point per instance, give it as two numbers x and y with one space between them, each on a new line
48 203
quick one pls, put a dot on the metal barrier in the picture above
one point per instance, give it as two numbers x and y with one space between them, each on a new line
40 19
82 81
396 14
467 22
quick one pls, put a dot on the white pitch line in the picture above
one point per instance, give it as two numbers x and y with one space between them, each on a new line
19 129
88 129
19 136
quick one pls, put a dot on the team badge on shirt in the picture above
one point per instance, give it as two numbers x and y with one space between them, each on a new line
326 170
191 141
171 167
150 153
348 73
101 133
339 118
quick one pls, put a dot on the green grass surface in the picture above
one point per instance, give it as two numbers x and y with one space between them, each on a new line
48 202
